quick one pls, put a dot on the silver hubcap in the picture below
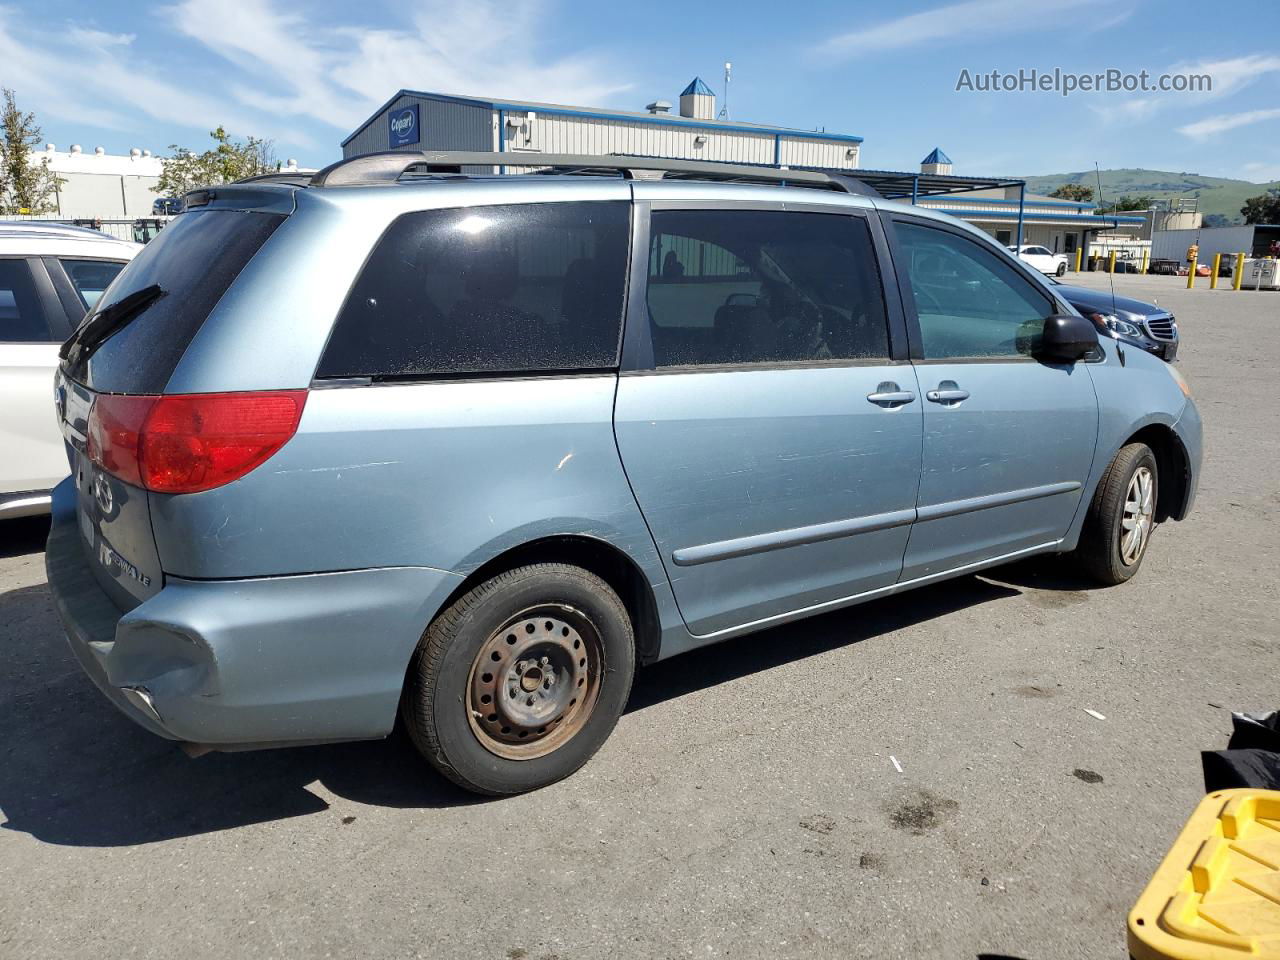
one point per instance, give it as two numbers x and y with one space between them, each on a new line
1139 508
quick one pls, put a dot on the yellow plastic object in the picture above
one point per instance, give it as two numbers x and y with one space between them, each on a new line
1216 895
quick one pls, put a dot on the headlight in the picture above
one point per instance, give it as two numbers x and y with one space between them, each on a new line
1109 323
1179 379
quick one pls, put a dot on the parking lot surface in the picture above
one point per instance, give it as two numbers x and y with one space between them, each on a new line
749 803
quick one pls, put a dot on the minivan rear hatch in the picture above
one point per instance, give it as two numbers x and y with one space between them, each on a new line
129 347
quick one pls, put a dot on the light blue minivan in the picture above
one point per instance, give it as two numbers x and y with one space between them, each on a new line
467 447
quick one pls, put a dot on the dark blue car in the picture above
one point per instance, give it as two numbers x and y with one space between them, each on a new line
1144 325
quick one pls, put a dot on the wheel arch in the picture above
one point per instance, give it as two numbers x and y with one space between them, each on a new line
1173 469
611 564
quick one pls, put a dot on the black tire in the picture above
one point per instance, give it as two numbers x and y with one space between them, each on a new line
438 699
1062 269
1099 553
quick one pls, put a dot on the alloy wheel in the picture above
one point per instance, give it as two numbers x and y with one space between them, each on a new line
1137 520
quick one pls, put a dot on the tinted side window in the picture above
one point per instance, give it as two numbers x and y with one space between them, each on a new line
739 286
90 278
969 301
21 318
505 289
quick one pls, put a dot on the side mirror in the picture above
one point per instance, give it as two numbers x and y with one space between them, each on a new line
1066 338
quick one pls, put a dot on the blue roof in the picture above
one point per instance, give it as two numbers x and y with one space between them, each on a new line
625 116
698 88
936 157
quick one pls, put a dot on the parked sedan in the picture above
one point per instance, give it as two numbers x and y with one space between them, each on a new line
50 275
1041 258
1144 325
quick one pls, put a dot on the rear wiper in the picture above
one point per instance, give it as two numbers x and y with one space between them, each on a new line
98 328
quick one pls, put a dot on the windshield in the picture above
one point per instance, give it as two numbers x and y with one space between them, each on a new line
193 261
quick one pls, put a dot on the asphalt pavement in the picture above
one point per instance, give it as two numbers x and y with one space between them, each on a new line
915 777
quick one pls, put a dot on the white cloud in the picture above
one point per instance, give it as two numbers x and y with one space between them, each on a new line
285 68
279 70
1261 172
1227 76
338 74
1212 126
91 77
957 22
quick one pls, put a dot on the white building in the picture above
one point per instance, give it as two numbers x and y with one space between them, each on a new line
414 120
110 191
1063 226
100 185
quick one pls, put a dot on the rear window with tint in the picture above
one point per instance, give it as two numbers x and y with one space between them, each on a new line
520 288
194 260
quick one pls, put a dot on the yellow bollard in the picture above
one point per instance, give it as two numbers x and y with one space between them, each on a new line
1146 258
1213 277
1111 262
1239 278
1079 254
1191 275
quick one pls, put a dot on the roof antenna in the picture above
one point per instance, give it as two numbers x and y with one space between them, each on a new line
1110 275
724 106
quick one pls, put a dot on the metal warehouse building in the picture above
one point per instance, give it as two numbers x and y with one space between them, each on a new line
1253 240
414 121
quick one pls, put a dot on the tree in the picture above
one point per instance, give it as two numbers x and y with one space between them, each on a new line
1127 203
1264 208
26 185
1074 191
228 160
1216 220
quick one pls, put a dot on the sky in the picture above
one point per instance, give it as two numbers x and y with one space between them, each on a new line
122 74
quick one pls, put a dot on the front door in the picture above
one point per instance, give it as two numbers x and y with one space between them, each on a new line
1008 440
772 443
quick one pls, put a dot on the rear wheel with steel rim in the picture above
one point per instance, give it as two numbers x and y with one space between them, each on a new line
1122 517
521 679
534 682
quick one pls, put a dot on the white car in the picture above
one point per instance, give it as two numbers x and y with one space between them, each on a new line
50 276
1042 259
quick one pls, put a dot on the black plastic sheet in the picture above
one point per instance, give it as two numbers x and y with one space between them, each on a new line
1252 757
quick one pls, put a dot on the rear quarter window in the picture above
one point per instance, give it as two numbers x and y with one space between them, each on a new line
194 261
22 319
90 278
511 289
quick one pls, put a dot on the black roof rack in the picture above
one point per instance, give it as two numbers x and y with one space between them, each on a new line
297 179
389 166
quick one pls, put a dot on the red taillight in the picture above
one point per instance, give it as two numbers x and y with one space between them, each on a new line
185 443
115 433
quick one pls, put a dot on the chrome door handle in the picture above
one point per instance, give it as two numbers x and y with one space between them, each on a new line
948 392
889 394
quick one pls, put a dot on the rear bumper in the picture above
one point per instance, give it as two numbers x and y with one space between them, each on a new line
255 662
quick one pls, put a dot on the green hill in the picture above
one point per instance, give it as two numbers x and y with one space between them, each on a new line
1216 194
